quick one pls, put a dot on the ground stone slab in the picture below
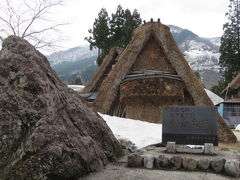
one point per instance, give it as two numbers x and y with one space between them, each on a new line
148 161
217 164
176 161
203 164
135 160
232 168
189 164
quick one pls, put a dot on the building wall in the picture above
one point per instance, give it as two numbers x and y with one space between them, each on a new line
231 114
143 99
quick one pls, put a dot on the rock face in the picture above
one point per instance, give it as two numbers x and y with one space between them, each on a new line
162 161
135 160
189 164
46 130
232 168
176 161
217 164
203 164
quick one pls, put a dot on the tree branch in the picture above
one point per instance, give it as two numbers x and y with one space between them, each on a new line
40 11
19 18
45 29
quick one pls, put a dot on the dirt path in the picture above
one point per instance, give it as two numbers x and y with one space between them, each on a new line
117 172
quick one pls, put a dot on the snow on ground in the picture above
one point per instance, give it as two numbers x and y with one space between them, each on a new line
139 132
238 127
214 98
76 87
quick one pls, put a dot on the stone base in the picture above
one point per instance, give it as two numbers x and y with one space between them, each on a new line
171 147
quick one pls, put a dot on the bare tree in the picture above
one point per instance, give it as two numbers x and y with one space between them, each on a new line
30 19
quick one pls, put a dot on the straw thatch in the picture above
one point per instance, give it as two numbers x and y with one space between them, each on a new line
233 85
103 71
159 37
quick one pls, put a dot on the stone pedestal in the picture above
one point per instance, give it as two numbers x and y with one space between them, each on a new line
208 148
171 147
148 161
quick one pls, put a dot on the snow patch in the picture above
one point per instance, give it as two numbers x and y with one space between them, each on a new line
238 127
139 132
76 87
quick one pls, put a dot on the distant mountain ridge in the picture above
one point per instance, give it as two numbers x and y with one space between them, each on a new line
70 55
202 55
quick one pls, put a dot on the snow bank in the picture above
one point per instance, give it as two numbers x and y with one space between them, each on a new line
238 127
76 87
139 132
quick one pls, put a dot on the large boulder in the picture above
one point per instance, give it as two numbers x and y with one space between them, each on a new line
46 130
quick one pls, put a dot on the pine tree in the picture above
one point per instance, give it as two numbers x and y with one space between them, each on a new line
116 27
230 43
78 81
117 31
132 21
122 24
100 35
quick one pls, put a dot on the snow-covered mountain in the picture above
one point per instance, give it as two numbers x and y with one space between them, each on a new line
70 55
202 55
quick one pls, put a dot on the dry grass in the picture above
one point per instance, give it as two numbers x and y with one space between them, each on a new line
231 146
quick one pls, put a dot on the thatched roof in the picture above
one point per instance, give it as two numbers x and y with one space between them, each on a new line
109 90
103 70
234 84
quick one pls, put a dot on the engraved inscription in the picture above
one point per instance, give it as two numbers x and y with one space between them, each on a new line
189 124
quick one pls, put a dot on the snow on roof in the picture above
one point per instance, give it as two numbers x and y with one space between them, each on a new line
214 98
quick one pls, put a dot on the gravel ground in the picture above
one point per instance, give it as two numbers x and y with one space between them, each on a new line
117 172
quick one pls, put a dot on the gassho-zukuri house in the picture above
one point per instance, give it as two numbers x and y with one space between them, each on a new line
149 73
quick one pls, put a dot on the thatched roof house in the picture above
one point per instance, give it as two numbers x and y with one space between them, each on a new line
233 88
152 72
108 63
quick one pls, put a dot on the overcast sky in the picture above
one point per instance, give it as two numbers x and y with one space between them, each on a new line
203 17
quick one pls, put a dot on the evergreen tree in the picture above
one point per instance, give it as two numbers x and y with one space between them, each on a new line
117 31
122 24
100 35
217 89
230 42
116 27
198 75
78 81
132 21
